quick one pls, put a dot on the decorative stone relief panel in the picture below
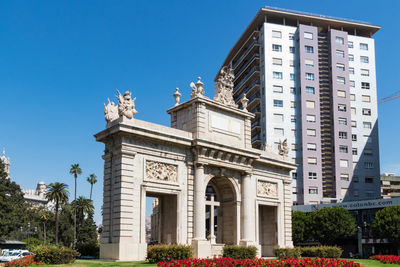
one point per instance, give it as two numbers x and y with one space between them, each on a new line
161 171
267 189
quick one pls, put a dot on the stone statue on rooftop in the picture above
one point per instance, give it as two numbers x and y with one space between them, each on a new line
197 89
110 111
283 148
224 87
126 105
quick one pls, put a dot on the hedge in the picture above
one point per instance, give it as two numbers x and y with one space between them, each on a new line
297 252
50 254
239 252
157 253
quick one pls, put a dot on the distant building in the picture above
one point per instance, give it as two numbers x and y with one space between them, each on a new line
390 185
37 196
6 162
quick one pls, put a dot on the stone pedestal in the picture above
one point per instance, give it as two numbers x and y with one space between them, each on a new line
201 248
123 252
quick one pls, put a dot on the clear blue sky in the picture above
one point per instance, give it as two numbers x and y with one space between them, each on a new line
60 60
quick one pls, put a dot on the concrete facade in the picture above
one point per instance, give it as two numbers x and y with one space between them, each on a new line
205 159
311 80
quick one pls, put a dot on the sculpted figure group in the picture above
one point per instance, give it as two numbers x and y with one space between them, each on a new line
125 107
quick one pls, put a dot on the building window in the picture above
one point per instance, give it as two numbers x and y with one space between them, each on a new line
277 61
310 90
278 118
352 83
368 165
369 180
309 76
277 75
277 89
350 45
294 175
355 179
368 152
367 125
293 118
312 175
342 121
313 190
364 85
363 46
341 93
292 77
292 104
278 103
309 49
310 104
368 139
291 63
343 191
311 132
339 40
351 57
366 98
310 118
291 36
343 149
308 35
353 137
278 132
292 50
340 53
311 147
276 48
342 107
293 90
312 161
294 133
309 62
354 124
340 80
366 111
364 59
344 177
276 34
352 97
351 70
340 66
364 72
354 151
344 163
353 111
342 135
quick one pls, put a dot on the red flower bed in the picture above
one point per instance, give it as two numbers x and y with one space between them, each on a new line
25 261
219 262
387 258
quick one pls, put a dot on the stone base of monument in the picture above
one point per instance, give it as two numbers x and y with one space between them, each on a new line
246 243
201 248
123 252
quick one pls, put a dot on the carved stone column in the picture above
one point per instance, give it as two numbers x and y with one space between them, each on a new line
199 204
248 210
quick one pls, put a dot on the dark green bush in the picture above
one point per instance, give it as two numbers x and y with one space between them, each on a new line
157 253
239 252
50 254
89 249
321 251
284 253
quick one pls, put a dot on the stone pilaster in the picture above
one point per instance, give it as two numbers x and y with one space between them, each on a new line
248 210
288 213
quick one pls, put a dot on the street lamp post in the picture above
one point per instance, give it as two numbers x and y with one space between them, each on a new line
28 231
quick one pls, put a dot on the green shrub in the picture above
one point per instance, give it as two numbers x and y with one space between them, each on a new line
89 249
157 253
284 253
321 251
239 252
50 254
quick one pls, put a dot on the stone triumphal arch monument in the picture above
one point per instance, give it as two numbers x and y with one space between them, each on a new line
212 187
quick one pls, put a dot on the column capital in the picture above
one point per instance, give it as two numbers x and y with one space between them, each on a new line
199 165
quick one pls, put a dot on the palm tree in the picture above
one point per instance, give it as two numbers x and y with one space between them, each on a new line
75 171
57 192
84 206
44 217
92 180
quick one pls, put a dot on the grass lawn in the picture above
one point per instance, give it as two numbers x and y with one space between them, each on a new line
92 263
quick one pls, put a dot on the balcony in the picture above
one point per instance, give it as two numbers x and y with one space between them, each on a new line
254 100
245 53
238 87
248 90
252 59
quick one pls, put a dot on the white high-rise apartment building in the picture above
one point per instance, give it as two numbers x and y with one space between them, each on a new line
311 79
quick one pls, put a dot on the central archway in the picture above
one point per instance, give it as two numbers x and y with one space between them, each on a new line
221 211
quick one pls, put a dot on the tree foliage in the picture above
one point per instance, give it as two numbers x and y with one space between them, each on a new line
301 227
57 192
386 224
332 224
